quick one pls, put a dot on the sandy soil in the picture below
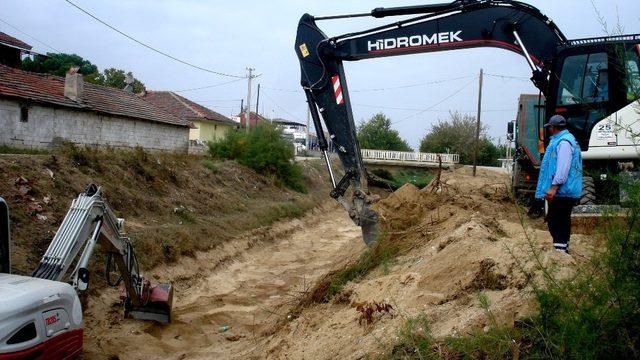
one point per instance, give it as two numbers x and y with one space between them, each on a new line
462 239
459 240
248 285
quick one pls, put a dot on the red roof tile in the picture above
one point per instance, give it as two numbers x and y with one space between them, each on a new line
184 108
10 40
50 89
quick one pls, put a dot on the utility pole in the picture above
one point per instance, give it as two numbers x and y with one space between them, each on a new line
477 139
247 116
258 100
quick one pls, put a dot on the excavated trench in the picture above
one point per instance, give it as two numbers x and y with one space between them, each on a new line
228 300
459 240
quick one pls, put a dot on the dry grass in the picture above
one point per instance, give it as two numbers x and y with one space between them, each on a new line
174 205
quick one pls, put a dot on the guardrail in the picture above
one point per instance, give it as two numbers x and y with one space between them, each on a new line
408 156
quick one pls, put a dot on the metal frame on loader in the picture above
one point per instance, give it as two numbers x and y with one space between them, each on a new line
509 25
41 316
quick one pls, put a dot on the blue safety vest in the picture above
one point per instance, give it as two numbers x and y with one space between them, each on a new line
572 188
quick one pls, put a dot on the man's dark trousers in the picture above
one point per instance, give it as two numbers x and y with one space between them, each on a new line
559 221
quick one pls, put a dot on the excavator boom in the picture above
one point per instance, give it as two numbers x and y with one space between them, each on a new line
462 24
88 222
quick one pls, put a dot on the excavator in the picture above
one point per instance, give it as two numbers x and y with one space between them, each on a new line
41 315
593 82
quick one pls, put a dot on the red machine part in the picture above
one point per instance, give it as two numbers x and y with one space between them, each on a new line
66 345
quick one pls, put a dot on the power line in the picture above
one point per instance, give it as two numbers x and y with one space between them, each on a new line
279 107
218 100
439 102
414 85
24 33
210 86
385 88
431 110
283 90
220 107
150 47
523 78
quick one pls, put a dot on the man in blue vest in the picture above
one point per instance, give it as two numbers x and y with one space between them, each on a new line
560 180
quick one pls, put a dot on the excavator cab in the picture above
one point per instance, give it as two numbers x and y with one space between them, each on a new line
593 84
5 251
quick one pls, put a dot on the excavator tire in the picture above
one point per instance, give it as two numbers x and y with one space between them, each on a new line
588 191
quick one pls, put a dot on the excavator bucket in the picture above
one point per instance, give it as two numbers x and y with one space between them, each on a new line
157 301
369 224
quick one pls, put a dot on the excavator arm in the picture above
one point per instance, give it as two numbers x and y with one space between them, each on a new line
88 222
509 25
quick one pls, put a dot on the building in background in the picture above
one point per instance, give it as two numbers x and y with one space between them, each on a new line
294 131
38 111
207 125
255 119
11 50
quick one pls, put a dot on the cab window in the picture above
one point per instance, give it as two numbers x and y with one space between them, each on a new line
632 74
584 79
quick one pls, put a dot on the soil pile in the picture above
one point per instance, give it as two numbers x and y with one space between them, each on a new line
460 239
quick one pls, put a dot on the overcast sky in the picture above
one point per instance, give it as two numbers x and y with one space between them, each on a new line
228 36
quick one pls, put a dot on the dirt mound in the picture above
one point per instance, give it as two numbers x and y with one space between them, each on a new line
463 239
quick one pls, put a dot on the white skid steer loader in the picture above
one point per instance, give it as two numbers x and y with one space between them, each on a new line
41 315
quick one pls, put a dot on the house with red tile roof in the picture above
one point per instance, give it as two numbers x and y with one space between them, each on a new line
254 119
207 125
11 50
38 110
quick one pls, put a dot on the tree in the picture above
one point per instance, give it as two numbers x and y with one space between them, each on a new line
457 135
114 78
376 133
59 64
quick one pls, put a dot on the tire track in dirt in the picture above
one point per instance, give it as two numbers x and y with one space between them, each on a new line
248 285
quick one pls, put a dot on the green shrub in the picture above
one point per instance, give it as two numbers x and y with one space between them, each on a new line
414 341
4 149
419 178
84 156
596 314
210 165
383 173
264 150
380 254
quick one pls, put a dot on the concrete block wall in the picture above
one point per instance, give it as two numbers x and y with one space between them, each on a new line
45 124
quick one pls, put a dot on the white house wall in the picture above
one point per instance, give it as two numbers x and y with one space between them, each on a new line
46 124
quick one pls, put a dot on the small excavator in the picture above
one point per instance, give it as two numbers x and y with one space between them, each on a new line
41 315
593 82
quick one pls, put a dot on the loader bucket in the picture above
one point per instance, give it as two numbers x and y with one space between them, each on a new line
157 306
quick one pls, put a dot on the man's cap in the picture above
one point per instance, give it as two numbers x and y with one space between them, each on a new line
557 121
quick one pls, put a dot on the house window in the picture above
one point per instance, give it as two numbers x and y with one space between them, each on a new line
24 113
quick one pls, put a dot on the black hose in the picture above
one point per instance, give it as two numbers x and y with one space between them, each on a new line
107 271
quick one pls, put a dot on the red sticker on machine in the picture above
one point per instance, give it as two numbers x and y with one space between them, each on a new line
337 89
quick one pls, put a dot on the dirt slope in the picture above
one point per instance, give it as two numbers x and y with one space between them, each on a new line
463 240
173 205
